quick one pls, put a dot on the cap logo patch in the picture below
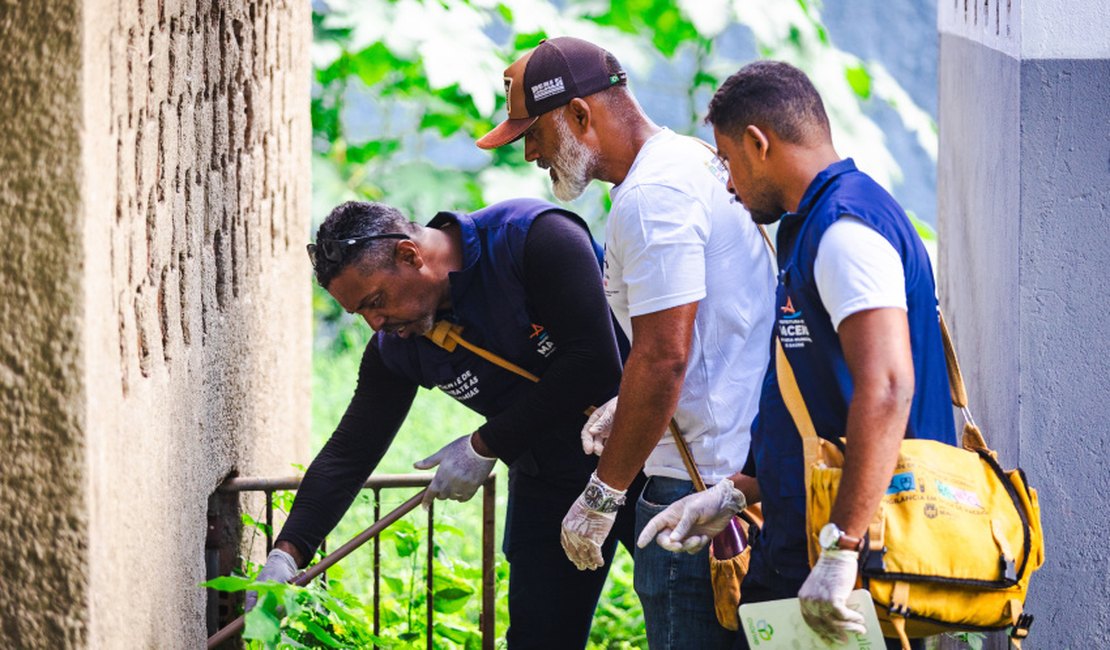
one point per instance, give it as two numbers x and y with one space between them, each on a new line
548 88
508 94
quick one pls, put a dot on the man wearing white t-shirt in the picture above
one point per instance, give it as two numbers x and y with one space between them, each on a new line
690 281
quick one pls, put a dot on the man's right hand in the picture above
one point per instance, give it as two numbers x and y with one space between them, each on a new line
688 524
280 567
597 429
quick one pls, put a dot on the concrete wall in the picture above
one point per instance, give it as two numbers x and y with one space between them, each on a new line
43 539
156 322
1024 212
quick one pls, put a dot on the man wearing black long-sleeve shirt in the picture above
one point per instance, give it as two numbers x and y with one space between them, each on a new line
522 279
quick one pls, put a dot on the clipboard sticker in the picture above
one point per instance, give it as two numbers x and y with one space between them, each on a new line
778 624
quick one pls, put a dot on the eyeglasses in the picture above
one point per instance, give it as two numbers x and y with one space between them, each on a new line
334 249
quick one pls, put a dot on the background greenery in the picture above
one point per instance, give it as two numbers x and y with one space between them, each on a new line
401 89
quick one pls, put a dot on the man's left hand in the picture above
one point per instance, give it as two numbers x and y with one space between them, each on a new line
462 470
824 596
588 523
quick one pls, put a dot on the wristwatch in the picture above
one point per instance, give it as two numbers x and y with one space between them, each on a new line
831 538
600 497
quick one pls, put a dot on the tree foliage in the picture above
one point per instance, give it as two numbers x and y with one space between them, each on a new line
403 87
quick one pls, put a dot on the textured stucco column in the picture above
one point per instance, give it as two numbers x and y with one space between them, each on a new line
1024 214
43 499
155 332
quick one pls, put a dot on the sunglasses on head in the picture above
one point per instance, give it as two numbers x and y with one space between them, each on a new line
333 250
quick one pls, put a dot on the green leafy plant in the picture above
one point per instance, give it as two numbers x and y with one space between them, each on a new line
972 640
328 615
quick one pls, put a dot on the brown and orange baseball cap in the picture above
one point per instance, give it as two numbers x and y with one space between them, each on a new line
555 72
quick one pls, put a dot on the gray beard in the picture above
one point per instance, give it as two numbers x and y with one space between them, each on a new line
573 163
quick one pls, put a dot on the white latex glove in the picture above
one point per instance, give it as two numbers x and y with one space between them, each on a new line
280 567
688 524
597 429
588 523
461 471
825 593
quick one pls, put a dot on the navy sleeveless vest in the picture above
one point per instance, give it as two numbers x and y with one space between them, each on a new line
489 302
813 348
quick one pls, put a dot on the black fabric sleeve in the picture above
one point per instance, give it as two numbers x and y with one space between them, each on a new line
333 480
563 286
749 463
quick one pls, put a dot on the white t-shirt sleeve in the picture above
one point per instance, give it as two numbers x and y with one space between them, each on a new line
663 233
857 269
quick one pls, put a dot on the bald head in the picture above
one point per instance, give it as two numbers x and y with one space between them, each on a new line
773 96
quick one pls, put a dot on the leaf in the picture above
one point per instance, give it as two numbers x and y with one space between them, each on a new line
924 230
822 34
527 41
262 623
372 64
291 601
452 599
289 643
795 37
453 632
251 522
446 123
860 80
363 153
443 527
703 78
228 583
396 585
322 635
406 542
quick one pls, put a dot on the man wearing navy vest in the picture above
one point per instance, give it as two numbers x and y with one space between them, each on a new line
856 314
522 280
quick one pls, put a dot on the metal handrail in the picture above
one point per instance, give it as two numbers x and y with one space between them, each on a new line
377 483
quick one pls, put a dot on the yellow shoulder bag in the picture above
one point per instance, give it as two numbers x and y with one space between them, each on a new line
955 538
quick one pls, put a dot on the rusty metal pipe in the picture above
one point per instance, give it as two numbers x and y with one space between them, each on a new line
258 484
305 577
489 578
377 567
429 576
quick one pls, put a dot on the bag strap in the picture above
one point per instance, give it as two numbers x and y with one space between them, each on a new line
788 386
687 457
972 436
448 336
762 230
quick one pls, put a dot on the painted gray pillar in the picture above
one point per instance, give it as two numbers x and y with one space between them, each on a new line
1023 195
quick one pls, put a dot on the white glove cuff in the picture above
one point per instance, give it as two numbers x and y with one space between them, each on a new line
473 453
602 498
279 556
841 555
734 499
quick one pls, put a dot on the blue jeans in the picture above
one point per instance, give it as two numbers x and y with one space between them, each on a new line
675 588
